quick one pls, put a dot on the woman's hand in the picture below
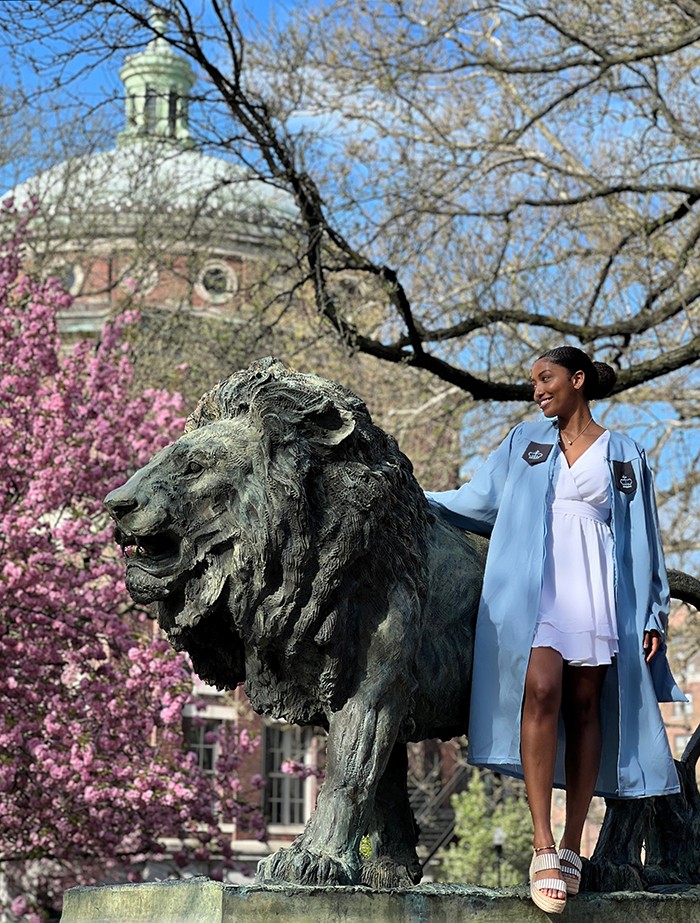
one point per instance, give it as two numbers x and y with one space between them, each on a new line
651 644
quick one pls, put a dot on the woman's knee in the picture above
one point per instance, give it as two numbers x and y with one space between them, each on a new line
581 707
542 694
581 699
543 682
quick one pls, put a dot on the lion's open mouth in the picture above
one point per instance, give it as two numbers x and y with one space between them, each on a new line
157 554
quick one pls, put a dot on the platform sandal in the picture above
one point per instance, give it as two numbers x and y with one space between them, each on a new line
571 866
541 862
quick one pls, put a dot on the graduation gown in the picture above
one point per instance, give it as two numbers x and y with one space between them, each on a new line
508 499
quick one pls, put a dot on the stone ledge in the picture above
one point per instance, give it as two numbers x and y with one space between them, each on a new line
200 900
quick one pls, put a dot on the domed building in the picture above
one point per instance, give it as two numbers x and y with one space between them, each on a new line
153 219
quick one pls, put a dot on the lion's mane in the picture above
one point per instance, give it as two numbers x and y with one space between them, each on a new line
331 521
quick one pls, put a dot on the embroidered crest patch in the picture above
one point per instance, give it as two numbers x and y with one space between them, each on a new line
537 452
624 477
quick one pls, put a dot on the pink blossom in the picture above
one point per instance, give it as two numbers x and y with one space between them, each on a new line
300 771
92 759
19 906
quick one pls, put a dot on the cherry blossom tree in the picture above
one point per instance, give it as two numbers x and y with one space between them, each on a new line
94 776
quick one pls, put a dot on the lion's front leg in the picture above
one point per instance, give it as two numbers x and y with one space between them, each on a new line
392 830
360 739
361 736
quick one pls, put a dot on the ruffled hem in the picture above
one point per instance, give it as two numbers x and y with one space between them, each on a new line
580 649
601 630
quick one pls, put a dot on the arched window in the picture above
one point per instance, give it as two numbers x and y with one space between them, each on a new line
131 109
150 113
70 275
172 113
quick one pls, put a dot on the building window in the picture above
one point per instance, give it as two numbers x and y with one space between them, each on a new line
201 739
172 113
150 112
70 275
692 668
131 110
216 282
680 742
683 709
286 799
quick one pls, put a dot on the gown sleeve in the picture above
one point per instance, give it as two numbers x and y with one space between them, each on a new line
474 506
659 601
659 596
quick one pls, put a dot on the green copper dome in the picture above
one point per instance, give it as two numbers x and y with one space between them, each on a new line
157 83
154 181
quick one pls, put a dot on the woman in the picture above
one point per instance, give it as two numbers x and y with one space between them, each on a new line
569 661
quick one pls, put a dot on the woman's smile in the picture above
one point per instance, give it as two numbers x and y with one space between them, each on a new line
554 390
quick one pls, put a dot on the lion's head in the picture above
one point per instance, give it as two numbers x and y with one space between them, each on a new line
270 535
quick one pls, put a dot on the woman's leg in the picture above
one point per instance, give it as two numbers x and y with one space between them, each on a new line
581 712
538 744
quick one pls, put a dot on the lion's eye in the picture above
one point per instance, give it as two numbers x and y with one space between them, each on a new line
194 467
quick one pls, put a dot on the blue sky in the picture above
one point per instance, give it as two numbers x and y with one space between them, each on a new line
95 90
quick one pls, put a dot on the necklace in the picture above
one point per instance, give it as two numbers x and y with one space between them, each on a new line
572 441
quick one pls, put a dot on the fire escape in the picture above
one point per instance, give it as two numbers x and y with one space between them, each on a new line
435 775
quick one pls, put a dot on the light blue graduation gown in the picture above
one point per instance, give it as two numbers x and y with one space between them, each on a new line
507 499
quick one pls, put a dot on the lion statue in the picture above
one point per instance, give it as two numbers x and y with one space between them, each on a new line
286 544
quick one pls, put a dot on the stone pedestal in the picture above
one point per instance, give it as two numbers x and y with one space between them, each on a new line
199 900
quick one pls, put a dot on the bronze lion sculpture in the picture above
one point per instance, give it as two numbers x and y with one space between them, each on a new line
286 544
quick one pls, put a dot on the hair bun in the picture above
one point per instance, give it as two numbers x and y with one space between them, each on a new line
606 379
600 377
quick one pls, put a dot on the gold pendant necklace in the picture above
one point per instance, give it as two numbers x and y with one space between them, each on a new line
572 441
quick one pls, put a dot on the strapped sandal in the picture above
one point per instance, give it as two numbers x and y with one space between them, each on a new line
541 862
571 870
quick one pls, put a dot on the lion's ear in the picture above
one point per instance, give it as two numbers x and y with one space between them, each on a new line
327 424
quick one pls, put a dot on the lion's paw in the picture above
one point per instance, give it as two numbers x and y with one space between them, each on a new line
299 865
389 873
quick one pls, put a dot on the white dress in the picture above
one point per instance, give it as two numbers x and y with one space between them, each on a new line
577 608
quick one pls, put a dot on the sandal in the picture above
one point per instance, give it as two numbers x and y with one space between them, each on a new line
571 870
541 862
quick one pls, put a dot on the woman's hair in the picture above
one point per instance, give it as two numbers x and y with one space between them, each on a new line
599 377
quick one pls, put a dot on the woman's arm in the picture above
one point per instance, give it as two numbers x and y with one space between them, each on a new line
474 506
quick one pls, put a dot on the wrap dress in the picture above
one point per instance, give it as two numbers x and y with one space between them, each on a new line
577 606
508 499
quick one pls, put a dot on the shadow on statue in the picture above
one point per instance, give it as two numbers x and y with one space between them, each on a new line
285 543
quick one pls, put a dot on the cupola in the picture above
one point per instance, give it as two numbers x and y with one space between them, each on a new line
157 82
